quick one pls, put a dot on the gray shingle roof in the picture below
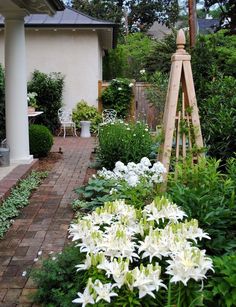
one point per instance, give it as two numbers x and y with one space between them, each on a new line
207 25
67 18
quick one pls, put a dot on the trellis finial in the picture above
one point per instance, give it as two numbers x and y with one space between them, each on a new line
180 40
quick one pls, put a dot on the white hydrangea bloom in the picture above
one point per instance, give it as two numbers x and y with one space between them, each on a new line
145 161
133 173
132 180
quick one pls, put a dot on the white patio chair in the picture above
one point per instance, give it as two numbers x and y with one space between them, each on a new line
109 115
65 118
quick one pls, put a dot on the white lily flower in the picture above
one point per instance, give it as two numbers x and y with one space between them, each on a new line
187 264
86 265
104 291
84 298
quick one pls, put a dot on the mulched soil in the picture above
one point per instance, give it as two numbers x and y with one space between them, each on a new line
47 163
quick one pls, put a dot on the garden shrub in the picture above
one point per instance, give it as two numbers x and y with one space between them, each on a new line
49 89
212 53
2 105
220 290
218 117
208 196
40 139
118 96
119 141
83 111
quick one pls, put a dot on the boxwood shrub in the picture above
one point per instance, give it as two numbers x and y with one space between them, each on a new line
41 140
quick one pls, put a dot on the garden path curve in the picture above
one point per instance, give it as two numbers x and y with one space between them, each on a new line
43 224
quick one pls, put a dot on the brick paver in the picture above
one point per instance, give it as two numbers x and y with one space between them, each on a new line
42 225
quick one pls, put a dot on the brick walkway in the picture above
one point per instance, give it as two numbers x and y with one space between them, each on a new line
42 225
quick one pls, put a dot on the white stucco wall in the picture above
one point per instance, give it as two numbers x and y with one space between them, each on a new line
76 54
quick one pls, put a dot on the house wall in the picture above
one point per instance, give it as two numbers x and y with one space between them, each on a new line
76 54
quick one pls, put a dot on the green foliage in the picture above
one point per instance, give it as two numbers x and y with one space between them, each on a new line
83 111
137 20
123 142
40 139
57 280
94 194
208 196
221 287
159 58
32 100
212 53
49 88
19 198
227 12
99 190
2 105
129 57
157 91
218 117
118 96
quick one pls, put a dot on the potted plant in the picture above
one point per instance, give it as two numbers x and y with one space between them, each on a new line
32 102
86 117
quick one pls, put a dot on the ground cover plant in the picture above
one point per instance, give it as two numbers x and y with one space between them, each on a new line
18 198
125 142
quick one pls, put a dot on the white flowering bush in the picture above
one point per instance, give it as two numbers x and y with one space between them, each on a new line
125 142
139 252
118 96
133 173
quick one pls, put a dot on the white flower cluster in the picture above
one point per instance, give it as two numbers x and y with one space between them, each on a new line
133 173
116 237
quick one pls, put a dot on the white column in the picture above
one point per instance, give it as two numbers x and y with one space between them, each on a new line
17 131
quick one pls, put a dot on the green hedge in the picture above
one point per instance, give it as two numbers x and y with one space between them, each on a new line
41 140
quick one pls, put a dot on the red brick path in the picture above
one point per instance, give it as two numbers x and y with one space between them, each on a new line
42 225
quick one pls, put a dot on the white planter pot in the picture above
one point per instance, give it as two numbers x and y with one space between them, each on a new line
85 129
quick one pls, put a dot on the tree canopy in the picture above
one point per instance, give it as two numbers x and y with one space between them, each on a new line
228 13
136 15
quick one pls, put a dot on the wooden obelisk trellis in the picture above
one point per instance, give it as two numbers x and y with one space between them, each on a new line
187 112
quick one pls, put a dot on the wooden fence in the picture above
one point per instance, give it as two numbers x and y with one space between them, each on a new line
141 109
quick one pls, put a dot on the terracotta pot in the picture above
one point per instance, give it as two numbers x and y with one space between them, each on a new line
31 109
